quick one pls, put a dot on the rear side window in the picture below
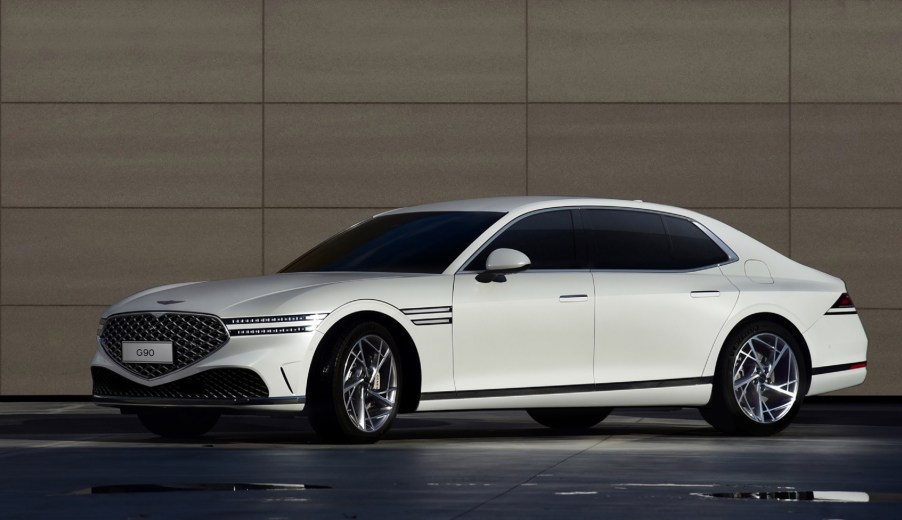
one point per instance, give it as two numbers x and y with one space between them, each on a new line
637 240
546 238
691 247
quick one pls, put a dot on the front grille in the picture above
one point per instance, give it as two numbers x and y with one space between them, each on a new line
217 383
193 337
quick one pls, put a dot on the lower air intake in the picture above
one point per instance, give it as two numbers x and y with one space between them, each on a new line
227 384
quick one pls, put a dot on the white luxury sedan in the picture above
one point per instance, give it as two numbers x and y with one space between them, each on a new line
563 307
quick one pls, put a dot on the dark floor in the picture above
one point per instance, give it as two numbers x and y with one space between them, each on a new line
56 458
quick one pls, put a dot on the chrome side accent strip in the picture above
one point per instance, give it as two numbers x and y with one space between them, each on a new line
433 321
425 310
567 389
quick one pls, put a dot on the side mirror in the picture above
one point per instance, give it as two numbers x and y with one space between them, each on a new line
501 262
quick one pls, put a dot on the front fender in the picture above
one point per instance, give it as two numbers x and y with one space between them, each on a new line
432 342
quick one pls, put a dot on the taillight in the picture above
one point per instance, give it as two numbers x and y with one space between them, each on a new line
844 302
843 305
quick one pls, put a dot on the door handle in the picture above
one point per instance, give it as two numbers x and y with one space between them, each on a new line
573 298
704 294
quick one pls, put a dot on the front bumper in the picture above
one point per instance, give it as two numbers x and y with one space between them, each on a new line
265 374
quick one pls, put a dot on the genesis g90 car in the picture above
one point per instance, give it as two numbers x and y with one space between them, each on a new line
563 307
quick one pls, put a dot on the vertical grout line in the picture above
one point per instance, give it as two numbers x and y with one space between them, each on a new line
262 137
526 90
789 115
1 193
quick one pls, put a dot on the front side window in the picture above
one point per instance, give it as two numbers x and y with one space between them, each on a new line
638 240
424 242
547 238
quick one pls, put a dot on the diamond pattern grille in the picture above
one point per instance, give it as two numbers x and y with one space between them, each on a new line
218 383
193 337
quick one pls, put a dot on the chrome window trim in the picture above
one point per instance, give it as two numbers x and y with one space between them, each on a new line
731 255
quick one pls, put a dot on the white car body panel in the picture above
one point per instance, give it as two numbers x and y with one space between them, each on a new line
534 330
519 344
689 310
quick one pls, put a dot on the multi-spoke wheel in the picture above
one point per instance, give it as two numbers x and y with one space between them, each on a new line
355 395
573 419
760 381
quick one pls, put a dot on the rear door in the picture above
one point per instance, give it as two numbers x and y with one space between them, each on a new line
661 299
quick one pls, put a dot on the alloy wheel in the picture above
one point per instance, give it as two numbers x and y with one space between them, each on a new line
765 378
370 390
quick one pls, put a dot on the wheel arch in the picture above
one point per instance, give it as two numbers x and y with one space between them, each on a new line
411 370
772 317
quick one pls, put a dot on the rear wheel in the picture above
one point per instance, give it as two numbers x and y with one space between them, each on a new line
760 381
355 392
178 423
568 418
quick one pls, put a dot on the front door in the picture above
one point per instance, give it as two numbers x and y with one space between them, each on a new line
535 329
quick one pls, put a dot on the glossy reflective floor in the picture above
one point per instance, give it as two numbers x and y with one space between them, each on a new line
73 460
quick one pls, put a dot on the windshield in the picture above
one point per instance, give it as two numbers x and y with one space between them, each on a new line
424 242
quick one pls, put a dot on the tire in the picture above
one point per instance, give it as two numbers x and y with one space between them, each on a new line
759 383
572 419
355 390
178 422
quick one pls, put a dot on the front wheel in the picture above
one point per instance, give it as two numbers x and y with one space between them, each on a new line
568 418
177 422
355 391
760 381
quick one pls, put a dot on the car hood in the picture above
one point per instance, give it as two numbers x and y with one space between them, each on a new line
237 297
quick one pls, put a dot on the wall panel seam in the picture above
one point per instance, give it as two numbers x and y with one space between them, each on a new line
789 123
263 137
1 175
526 90
133 102
608 102
380 208
155 208
851 208
111 303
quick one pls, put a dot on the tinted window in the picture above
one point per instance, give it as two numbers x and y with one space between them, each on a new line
627 239
402 243
546 238
624 239
691 246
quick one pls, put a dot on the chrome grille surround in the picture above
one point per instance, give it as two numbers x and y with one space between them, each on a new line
193 336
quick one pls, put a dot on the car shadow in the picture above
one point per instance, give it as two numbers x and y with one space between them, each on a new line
476 426
250 430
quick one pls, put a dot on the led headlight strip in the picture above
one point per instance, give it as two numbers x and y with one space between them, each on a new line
264 325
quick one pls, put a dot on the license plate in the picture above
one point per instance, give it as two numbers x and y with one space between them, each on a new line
147 352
